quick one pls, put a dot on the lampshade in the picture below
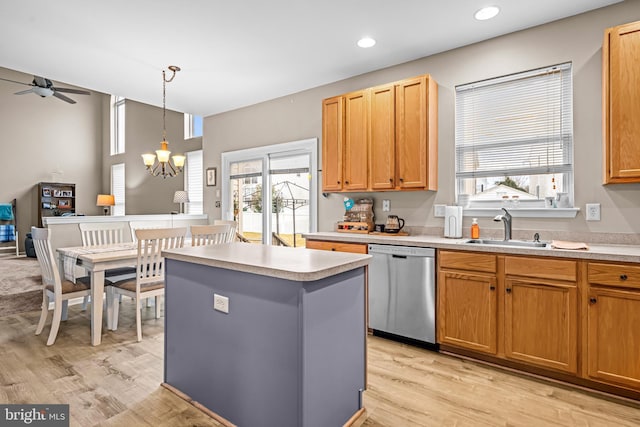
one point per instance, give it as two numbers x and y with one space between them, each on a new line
180 197
106 200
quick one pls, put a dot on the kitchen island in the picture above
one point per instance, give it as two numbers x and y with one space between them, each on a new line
289 351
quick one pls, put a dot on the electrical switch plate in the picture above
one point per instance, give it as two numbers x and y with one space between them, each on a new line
386 205
217 203
221 303
593 211
438 210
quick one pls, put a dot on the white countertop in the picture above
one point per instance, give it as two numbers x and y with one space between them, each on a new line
621 253
298 264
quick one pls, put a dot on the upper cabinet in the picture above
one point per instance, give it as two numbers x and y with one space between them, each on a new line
621 103
388 138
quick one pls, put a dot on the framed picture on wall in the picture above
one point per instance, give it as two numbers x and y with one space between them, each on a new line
46 192
64 204
211 177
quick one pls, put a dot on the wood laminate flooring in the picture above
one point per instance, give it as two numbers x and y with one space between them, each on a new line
118 382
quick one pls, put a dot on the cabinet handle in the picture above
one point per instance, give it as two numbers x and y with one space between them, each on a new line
508 290
338 182
592 300
346 182
623 277
390 179
401 179
333 249
492 288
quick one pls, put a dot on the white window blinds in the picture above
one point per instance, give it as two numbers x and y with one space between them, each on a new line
193 182
516 125
118 189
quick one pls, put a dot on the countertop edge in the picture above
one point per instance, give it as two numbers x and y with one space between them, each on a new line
355 261
615 253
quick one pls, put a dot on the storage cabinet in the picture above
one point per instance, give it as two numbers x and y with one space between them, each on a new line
356 138
621 103
357 248
390 138
613 333
55 199
332 143
467 301
541 312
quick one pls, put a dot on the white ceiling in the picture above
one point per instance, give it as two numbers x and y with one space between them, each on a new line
238 53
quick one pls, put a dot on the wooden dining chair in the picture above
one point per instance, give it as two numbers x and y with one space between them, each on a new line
97 234
209 234
149 279
233 232
54 287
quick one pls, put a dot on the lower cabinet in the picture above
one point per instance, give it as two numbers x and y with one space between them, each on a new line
613 331
541 312
540 323
573 320
467 301
358 248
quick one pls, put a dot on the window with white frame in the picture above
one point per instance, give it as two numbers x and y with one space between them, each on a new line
192 126
514 138
193 177
117 124
118 189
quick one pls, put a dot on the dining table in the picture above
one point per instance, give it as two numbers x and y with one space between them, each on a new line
95 260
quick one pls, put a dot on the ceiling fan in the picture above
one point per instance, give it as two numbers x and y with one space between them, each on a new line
44 88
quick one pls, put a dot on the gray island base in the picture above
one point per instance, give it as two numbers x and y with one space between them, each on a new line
291 350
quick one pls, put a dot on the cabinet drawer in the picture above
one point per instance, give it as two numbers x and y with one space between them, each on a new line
555 269
358 248
625 276
468 261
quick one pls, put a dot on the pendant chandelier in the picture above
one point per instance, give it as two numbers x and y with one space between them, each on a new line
164 167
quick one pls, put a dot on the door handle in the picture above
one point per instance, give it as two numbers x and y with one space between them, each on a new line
399 256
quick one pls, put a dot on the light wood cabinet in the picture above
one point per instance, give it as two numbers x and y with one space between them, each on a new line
541 312
613 332
467 301
416 133
390 138
356 139
621 103
382 145
357 248
332 143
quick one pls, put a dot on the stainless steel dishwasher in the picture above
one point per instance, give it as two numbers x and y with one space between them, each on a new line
402 291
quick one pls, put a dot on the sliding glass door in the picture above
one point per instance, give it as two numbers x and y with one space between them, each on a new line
271 192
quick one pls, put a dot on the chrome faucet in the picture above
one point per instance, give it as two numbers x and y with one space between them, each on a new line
506 218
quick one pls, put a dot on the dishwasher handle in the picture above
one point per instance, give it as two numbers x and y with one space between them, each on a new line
399 256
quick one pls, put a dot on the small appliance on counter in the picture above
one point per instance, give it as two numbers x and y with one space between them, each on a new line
453 221
394 224
358 216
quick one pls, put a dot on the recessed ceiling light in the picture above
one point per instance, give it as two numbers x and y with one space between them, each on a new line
487 13
366 42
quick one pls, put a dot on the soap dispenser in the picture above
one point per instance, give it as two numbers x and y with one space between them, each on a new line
475 229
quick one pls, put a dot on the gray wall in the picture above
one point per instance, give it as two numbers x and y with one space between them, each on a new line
43 135
577 39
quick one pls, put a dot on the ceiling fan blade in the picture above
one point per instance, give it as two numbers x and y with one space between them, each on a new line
64 98
67 90
40 81
13 81
24 92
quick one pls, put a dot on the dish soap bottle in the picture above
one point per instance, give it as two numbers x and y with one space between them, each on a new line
475 229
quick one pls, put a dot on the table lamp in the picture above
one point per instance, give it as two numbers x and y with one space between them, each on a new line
106 200
181 197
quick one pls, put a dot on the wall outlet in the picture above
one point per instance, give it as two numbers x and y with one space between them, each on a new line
593 211
438 211
386 205
221 303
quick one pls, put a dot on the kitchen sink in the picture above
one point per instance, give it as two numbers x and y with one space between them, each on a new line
519 243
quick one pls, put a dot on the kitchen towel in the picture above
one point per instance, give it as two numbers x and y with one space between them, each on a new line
561 244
